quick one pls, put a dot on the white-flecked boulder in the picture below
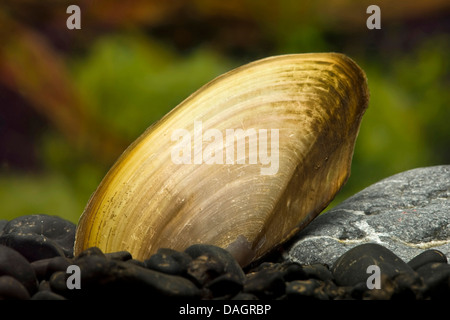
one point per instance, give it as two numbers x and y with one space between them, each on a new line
407 213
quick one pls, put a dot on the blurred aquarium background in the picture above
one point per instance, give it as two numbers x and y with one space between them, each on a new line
72 100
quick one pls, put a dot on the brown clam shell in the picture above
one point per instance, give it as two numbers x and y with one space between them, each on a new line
187 179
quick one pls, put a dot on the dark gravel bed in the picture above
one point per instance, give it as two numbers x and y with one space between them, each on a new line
37 262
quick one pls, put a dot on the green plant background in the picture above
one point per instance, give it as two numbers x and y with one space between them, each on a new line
129 77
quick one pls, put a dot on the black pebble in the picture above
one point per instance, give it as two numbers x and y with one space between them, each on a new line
38 251
408 286
436 277
169 261
265 284
95 269
15 265
351 267
40 268
32 246
103 278
136 262
244 296
357 291
204 269
305 290
157 284
226 286
317 271
426 257
39 236
12 289
92 251
46 267
387 289
293 271
57 284
44 285
213 259
119 255
47 295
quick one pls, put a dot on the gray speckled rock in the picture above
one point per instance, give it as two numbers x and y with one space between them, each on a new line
407 213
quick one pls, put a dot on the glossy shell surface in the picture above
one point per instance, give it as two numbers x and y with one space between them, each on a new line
183 182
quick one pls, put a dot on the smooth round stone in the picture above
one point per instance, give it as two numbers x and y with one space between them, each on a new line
386 291
92 251
44 285
58 284
357 291
289 270
103 278
221 255
305 290
119 255
136 262
169 261
244 296
226 285
46 267
47 295
266 266
408 286
204 269
32 246
40 268
351 267
428 256
57 264
265 284
436 277
154 283
333 291
317 271
13 264
293 271
39 236
12 289
95 269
